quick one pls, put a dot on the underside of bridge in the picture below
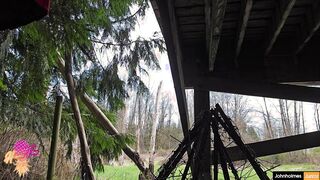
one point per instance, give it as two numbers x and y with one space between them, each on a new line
266 48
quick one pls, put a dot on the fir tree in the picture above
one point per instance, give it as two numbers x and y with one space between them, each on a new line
87 29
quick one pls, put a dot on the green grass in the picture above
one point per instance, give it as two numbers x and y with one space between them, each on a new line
131 172
126 172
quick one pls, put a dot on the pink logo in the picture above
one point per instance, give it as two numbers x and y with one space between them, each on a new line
20 155
24 149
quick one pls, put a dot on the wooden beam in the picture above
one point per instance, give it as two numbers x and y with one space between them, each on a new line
201 104
277 146
216 20
169 29
54 137
315 27
285 10
201 101
207 11
244 17
271 90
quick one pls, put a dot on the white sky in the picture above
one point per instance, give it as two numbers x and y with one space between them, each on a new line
145 28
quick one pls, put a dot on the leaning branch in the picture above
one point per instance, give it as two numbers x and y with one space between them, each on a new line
107 125
86 165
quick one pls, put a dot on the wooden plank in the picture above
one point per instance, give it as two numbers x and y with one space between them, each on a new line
193 27
217 16
170 32
189 11
258 23
284 13
244 17
313 30
261 14
277 146
281 91
263 5
183 3
191 20
190 37
229 25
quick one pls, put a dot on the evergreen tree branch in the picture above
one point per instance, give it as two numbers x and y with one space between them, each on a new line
122 44
142 8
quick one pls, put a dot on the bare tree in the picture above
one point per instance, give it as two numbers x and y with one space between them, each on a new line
190 104
237 107
135 119
154 131
133 109
240 112
303 123
146 113
122 125
139 125
225 101
169 122
163 111
285 120
297 118
267 120
302 117
316 116
288 118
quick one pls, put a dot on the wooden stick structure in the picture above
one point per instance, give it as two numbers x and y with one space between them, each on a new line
211 123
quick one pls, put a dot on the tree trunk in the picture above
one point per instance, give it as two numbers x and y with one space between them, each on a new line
161 116
296 119
303 125
133 112
123 128
169 123
145 117
235 113
316 116
289 125
86 166
283 117
189 97
138 126
268 120
154 131
302 117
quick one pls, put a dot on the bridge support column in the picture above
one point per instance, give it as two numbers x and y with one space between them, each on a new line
202 160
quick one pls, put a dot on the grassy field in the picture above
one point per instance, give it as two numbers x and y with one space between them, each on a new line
130 172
